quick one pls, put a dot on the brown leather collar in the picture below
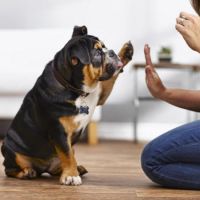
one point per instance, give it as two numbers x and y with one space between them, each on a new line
66 85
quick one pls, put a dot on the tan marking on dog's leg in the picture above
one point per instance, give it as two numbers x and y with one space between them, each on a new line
68 162
25 164
81 169
69 125
106 89
70 175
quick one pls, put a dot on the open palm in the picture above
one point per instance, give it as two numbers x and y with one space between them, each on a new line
153 81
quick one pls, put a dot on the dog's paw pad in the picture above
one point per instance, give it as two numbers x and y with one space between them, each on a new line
126 52
71 180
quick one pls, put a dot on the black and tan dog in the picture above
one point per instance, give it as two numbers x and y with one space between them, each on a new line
56 110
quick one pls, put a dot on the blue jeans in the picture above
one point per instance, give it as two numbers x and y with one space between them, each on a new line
173 159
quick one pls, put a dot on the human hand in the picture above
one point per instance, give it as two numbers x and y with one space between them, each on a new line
188 26
153 81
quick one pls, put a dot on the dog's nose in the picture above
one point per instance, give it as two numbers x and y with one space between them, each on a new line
119 64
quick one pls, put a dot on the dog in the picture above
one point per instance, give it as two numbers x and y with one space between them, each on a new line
57 109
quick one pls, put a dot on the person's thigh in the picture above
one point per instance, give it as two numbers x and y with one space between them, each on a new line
174 156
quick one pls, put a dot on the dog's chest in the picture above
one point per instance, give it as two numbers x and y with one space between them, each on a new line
91 101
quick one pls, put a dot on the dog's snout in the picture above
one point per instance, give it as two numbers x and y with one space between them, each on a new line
119 64
113 59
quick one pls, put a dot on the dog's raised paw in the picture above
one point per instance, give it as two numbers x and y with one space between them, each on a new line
126 52
70 180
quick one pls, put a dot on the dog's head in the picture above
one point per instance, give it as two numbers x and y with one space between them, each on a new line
85 60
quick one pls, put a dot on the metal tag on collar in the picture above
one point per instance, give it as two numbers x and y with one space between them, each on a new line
84 109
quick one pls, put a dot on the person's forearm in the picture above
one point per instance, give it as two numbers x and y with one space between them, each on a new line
187 99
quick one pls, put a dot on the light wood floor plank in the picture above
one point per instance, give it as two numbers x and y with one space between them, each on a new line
114 173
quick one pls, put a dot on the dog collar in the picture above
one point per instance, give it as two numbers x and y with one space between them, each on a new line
66 85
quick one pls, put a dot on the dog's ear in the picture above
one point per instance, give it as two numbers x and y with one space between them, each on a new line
80 53
79 31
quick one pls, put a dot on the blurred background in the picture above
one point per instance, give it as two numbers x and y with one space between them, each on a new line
32 31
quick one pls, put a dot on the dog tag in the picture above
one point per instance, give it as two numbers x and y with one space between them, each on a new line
84 110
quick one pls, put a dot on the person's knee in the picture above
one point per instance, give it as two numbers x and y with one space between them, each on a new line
146 160
150 161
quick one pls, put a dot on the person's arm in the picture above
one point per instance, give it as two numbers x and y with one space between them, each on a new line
187 99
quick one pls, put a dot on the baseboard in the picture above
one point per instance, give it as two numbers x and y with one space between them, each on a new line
124 131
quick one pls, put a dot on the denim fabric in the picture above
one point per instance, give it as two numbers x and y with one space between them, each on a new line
173 159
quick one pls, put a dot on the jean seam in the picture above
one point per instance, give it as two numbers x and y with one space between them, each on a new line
175 148
174 179
185 131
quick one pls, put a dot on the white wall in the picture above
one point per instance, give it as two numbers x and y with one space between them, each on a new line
114 21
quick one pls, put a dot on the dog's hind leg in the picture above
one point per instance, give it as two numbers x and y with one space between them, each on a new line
17 165
25 170
26 173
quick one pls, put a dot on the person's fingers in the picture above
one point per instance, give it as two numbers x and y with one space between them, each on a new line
181 29
147 55
188 16
180 21
184 22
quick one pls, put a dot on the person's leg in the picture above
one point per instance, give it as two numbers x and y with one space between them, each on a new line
173 159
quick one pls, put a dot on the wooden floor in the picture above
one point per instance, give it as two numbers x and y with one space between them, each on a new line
114 173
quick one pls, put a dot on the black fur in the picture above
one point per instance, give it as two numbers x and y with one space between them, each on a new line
35 129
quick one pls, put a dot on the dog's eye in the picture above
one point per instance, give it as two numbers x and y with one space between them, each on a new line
99 52
111 53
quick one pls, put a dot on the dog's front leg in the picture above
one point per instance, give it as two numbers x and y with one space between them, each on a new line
70 174
125 55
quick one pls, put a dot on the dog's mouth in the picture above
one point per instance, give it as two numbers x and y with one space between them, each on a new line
110 70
